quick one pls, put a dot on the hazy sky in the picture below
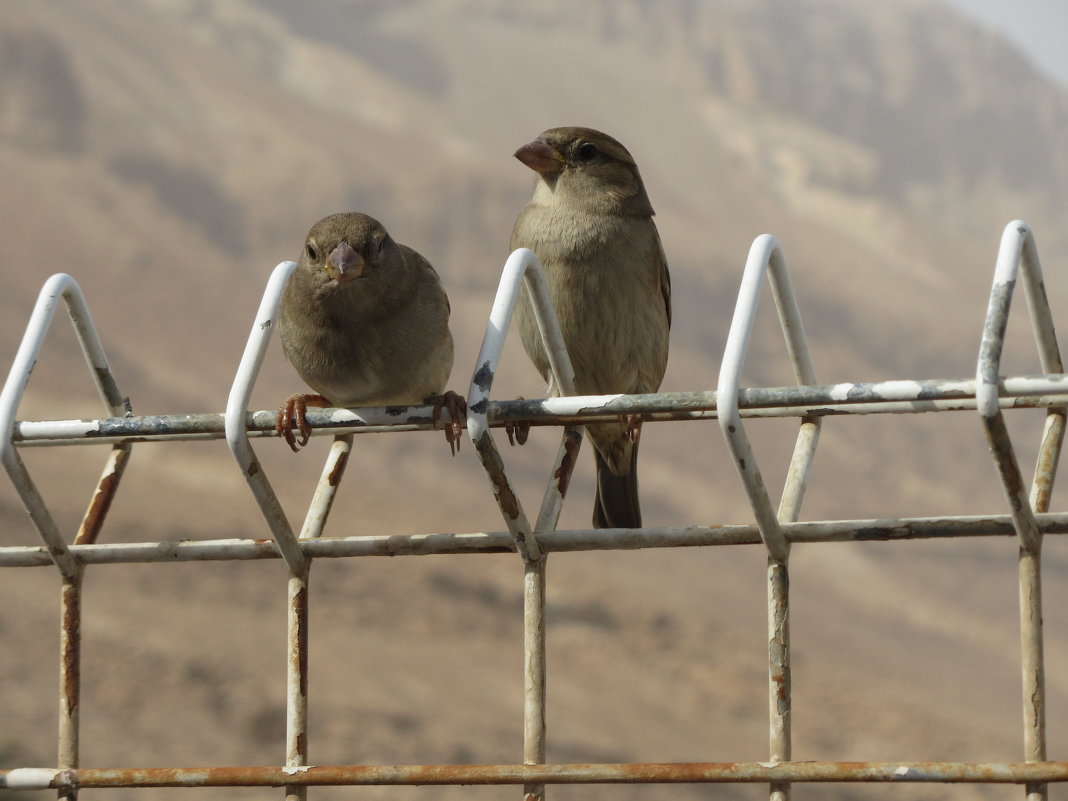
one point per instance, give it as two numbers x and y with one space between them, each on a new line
1037 27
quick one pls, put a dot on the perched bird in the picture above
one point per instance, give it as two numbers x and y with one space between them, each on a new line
365 322
591 225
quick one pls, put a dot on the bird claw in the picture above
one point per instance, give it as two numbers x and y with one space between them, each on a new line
633 423
293 413
456 405
517 431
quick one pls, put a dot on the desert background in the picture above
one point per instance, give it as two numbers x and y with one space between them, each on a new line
169 153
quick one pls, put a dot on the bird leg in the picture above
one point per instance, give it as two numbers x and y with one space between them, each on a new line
456 406
291 414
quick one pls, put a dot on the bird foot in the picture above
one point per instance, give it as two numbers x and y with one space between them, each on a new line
456 406
633 423
517 430
292 414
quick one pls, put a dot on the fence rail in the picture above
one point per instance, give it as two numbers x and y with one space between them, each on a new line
989 394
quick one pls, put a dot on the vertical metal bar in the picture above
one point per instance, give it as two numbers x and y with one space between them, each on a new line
1018 251
766 257
534 675
534 628
779 670
1032 665
70 639
71 618
298 616
522 267
297 679
299 565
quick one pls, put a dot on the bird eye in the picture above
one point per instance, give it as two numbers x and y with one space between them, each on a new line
586 151
312 251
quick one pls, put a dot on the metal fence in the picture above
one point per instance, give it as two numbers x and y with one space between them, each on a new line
1028 518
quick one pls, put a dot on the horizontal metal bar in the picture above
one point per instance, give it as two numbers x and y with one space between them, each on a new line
885 397
868 530
610 773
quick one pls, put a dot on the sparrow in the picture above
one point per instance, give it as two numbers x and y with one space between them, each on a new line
590 223
365 322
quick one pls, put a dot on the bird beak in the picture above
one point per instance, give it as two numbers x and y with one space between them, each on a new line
344 263
540 156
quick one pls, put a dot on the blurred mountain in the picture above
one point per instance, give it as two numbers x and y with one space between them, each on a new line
168 154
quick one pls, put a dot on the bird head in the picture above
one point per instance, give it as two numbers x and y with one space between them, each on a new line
588 166
344 247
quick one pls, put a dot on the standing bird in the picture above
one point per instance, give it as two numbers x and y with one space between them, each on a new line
365 322
590 224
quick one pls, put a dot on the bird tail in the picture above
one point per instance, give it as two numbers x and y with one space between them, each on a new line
616 503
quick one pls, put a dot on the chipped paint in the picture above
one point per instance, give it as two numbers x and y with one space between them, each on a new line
483 377
564 540
840 392
1042 391
498 476
898 389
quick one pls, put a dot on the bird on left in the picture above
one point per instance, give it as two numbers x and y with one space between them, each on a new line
365 322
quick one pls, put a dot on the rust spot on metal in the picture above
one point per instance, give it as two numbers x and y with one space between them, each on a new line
1048 456
532 776
298 662
491 460
339 469
65 780
71 641
100 503
299 654
253 468
874 533
572 443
